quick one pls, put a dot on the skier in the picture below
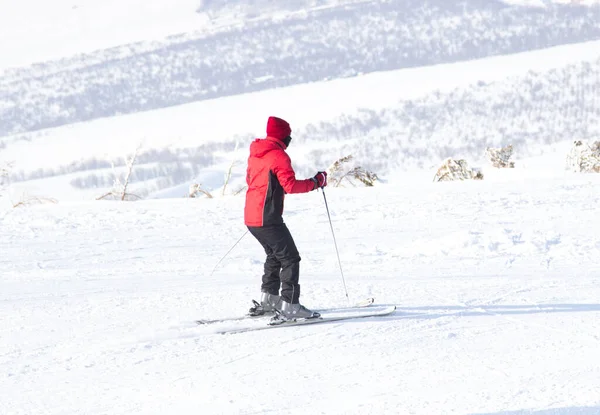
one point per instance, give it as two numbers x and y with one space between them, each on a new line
269 177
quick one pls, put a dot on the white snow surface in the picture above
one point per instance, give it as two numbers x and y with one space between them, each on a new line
496 283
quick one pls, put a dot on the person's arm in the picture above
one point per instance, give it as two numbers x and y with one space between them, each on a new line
287 177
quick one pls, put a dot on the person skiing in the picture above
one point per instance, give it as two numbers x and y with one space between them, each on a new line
269 177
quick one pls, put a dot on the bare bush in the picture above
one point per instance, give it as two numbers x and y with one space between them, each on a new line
119 190
233 164
584 157
500 157
197 190
4 176
33 200
456 170
240 190
344 172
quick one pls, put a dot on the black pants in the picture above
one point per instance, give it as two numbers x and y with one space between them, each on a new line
282 266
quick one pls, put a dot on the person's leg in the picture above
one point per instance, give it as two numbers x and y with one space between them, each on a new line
284 249
271 277
279 239
286 252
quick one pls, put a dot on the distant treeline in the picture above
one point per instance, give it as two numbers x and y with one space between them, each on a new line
528 112
325 44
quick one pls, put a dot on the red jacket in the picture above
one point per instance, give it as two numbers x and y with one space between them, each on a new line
269 176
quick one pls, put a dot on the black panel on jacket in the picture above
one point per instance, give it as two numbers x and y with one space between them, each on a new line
273 208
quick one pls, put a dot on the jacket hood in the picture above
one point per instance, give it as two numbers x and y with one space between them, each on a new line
262 146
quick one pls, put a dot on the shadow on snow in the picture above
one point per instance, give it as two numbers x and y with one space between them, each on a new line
478 310
579 410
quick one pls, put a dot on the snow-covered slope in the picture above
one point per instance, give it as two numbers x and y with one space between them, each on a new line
497 289
496 281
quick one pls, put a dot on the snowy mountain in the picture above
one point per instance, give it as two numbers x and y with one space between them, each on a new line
495 281
275 51
416 116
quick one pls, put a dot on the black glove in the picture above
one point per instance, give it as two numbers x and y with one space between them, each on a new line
320 179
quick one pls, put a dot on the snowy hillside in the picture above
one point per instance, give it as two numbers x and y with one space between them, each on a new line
392 122
279 50
416 117
497 291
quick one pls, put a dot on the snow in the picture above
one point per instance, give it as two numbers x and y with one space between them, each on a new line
496 286
544 3
42 31
496 282
328 109
210 121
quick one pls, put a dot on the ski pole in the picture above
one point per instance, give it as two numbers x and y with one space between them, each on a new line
224 256
335 243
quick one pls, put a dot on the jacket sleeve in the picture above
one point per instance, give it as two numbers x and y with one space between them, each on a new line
287 177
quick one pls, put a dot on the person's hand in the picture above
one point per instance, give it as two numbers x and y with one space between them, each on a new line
320 179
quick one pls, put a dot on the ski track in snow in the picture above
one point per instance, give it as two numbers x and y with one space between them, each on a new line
496 286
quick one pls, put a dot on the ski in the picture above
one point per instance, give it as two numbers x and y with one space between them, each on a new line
323 319
361 304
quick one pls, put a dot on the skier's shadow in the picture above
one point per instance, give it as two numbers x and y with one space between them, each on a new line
432 312
573 410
